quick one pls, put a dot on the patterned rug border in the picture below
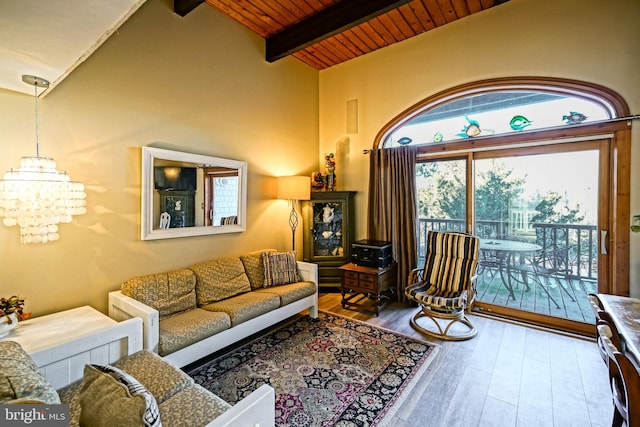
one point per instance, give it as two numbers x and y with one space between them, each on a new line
391 408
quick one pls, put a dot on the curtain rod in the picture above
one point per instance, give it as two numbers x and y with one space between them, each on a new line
617 119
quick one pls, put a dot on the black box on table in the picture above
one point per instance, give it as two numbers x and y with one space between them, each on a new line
371 253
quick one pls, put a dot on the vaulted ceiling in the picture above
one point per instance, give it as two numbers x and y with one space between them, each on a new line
323 33
49 39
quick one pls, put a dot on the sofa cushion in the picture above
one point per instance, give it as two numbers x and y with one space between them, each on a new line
159 377
111 397
219 279
291 292
162 379
245 307
280 268
194 406
69 396
170 292
254 267
191 326
20 377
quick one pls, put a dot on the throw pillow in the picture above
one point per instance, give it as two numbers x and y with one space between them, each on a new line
279 268
20 378
254 267
111 397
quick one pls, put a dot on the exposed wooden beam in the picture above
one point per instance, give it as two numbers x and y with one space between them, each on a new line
183 7
326 23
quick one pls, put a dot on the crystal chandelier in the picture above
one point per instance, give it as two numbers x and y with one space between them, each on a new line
36 196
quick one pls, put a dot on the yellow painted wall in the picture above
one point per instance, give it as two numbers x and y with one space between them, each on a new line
197 84
200 84
588 40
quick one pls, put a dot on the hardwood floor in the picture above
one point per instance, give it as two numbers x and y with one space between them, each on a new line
508 375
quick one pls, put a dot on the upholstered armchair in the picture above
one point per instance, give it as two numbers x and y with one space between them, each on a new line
446 287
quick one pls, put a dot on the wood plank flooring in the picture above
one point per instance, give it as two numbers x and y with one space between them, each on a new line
508 375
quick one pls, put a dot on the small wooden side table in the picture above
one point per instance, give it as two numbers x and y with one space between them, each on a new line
367 288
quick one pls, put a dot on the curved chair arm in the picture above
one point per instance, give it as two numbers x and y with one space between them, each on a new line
471 293
416 275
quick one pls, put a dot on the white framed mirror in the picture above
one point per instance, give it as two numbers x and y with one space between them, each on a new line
186 194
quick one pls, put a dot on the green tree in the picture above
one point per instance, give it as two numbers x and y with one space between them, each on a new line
495 190
441 190
551 210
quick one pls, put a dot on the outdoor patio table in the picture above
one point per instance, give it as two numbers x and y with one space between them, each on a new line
507 252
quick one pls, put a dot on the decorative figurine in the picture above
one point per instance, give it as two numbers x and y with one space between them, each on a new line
330 166
317 181
574 118
471 130
519 122
327 214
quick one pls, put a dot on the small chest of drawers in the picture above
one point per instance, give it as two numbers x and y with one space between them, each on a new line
367 288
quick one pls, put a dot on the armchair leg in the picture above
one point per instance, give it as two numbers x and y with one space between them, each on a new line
451 318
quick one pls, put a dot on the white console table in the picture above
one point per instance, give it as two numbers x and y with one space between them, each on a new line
62 343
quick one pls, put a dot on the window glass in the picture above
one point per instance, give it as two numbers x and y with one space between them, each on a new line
493 113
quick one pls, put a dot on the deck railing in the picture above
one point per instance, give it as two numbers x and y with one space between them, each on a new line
581 239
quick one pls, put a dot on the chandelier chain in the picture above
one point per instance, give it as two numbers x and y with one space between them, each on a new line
35 90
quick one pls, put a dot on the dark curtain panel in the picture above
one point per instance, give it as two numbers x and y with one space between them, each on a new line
392 206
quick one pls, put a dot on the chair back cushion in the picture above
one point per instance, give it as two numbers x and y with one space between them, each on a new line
451 260
219 279
21 381
170 292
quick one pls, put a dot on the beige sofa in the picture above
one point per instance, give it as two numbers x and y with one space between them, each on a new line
100 400
190 313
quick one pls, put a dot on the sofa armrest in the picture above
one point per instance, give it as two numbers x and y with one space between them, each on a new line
255 410
122 307
308 271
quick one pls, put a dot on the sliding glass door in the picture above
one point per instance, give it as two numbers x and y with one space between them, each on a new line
539 212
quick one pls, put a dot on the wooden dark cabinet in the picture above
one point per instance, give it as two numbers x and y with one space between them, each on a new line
180 207
329 230
367 288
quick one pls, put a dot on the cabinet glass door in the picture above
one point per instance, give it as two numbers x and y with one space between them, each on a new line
328 236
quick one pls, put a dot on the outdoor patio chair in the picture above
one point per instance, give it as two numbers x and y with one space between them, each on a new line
543 266
490 263
446 287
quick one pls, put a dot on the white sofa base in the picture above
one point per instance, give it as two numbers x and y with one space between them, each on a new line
122 307
65 365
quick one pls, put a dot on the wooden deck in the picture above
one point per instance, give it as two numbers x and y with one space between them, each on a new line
492 290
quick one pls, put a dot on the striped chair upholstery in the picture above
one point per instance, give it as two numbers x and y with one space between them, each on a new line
229 220
447 282
451 261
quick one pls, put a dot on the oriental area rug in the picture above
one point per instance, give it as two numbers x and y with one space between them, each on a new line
330 371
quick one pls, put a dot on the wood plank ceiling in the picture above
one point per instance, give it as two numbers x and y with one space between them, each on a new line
323 33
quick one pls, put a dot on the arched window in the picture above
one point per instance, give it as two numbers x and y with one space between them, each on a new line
500 107
529 163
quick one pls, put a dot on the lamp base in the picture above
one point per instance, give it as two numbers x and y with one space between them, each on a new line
293 223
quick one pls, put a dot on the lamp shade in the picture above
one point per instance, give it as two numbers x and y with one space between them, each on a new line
294 187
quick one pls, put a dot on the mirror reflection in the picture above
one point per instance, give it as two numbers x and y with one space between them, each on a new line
188 194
